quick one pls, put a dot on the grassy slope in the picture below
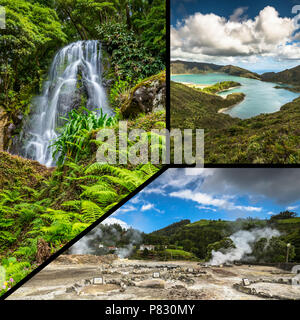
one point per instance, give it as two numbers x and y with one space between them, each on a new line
266 138
192 108
289 229
16 171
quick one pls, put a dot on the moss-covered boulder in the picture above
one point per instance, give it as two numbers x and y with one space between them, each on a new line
147 96
16 171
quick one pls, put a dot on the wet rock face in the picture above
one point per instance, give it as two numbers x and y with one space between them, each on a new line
148 96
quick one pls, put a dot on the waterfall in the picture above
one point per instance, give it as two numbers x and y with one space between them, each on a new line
75 72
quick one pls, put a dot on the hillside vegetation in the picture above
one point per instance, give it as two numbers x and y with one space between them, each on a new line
185 67
266 138
221 86
200 237
288 76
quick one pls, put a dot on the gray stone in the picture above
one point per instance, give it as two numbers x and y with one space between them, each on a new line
153 283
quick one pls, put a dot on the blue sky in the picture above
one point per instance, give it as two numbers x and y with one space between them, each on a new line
197 194
259 35
183 8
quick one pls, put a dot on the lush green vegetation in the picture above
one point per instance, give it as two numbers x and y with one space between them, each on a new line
201 237
66 203
266 138
132 31
74 142
221 86
41 209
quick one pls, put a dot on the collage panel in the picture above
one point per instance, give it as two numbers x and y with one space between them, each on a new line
235 72
192 234
82 86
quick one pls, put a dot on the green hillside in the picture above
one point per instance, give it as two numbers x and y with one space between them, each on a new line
266 138
186 67
289 76
200 236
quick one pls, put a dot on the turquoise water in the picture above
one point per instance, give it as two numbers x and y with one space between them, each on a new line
261 97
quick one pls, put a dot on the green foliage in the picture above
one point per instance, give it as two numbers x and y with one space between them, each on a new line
202 237
266 138
154 27
284 215
27 215
147 19
274 250
74 141
120 90
32 34
220 86
14 272
130 58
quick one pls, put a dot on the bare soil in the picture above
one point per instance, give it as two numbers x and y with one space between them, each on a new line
73 277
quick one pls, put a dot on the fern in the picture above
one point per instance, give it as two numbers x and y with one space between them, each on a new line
91 211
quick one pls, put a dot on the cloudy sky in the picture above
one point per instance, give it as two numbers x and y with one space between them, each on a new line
258 35
211 194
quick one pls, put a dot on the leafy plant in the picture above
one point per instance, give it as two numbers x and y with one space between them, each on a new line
73 142
130 58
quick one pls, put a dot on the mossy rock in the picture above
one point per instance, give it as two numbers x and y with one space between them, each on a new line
16 171
147 96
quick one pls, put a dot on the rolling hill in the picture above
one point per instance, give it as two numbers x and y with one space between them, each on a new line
266 138
200 234
185 67
288 76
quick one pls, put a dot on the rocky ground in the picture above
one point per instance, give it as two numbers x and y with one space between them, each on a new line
90 277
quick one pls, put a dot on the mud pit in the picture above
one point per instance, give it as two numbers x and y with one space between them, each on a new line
110 278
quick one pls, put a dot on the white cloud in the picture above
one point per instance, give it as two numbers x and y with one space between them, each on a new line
147 206
124 209
149 190
292 207
205 199
203 37
205 208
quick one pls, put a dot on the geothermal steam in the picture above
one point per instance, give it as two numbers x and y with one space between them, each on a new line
108 235
243 240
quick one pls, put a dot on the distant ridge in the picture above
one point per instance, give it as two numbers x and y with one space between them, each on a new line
288 76
187 67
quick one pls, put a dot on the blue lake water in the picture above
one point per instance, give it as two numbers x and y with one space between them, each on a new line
261 97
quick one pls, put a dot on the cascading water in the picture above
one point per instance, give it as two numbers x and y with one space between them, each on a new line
75 71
